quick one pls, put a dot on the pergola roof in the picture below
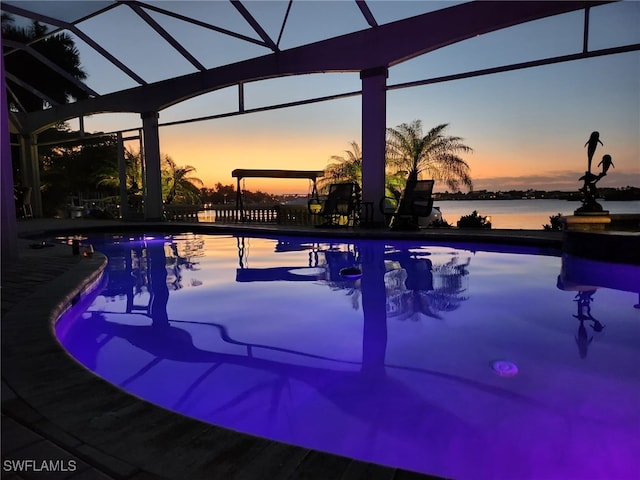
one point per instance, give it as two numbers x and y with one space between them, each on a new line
240 173
217 44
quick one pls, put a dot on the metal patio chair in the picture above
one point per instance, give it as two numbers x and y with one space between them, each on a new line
341 206
416 201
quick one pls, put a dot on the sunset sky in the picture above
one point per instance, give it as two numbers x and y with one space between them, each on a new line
527 127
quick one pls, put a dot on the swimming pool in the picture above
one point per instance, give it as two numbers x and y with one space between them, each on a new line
457 360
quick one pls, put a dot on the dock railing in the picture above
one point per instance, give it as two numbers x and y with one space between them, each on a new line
182 213
274 214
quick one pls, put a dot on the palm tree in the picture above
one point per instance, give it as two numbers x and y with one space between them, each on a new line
433 154
59 49
109 175
348 168
179 184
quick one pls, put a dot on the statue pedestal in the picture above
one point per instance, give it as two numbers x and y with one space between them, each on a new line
591 208
586 220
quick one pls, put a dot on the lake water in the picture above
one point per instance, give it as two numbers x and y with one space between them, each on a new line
522 214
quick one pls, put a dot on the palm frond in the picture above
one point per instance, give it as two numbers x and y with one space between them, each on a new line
434 154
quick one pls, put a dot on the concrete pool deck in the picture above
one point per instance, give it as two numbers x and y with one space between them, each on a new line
55 410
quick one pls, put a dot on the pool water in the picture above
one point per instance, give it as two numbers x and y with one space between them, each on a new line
455 360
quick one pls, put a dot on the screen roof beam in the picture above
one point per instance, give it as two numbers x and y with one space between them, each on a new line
203 24
164 34
386 45
364 8
76 31
254 24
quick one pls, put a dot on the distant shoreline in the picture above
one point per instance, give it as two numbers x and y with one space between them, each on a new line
541 198
609 194
259 197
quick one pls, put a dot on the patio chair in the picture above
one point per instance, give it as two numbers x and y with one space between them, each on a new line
340 208
416 201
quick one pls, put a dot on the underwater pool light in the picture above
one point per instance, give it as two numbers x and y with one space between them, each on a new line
505 368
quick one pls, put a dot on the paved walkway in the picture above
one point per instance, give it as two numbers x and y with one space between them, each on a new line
69 424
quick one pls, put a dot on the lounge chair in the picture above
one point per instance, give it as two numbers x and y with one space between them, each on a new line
416 201
340 208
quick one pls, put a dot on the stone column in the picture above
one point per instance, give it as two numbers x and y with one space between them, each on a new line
153 181
374 124
8 224
30 170
122 176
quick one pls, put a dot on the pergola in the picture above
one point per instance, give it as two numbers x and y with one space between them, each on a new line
240 173
370 52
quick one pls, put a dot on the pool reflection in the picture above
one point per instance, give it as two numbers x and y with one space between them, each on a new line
416 394
412 283
585 277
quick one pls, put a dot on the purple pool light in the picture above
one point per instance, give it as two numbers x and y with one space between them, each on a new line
266 336
505 368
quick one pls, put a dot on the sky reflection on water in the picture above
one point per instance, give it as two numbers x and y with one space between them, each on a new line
396 367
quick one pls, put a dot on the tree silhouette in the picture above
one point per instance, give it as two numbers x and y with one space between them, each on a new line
434 155
44 83
180 186
409 155
348 168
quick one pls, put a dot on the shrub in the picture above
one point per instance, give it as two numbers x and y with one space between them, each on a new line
439 223
473 220
556 224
